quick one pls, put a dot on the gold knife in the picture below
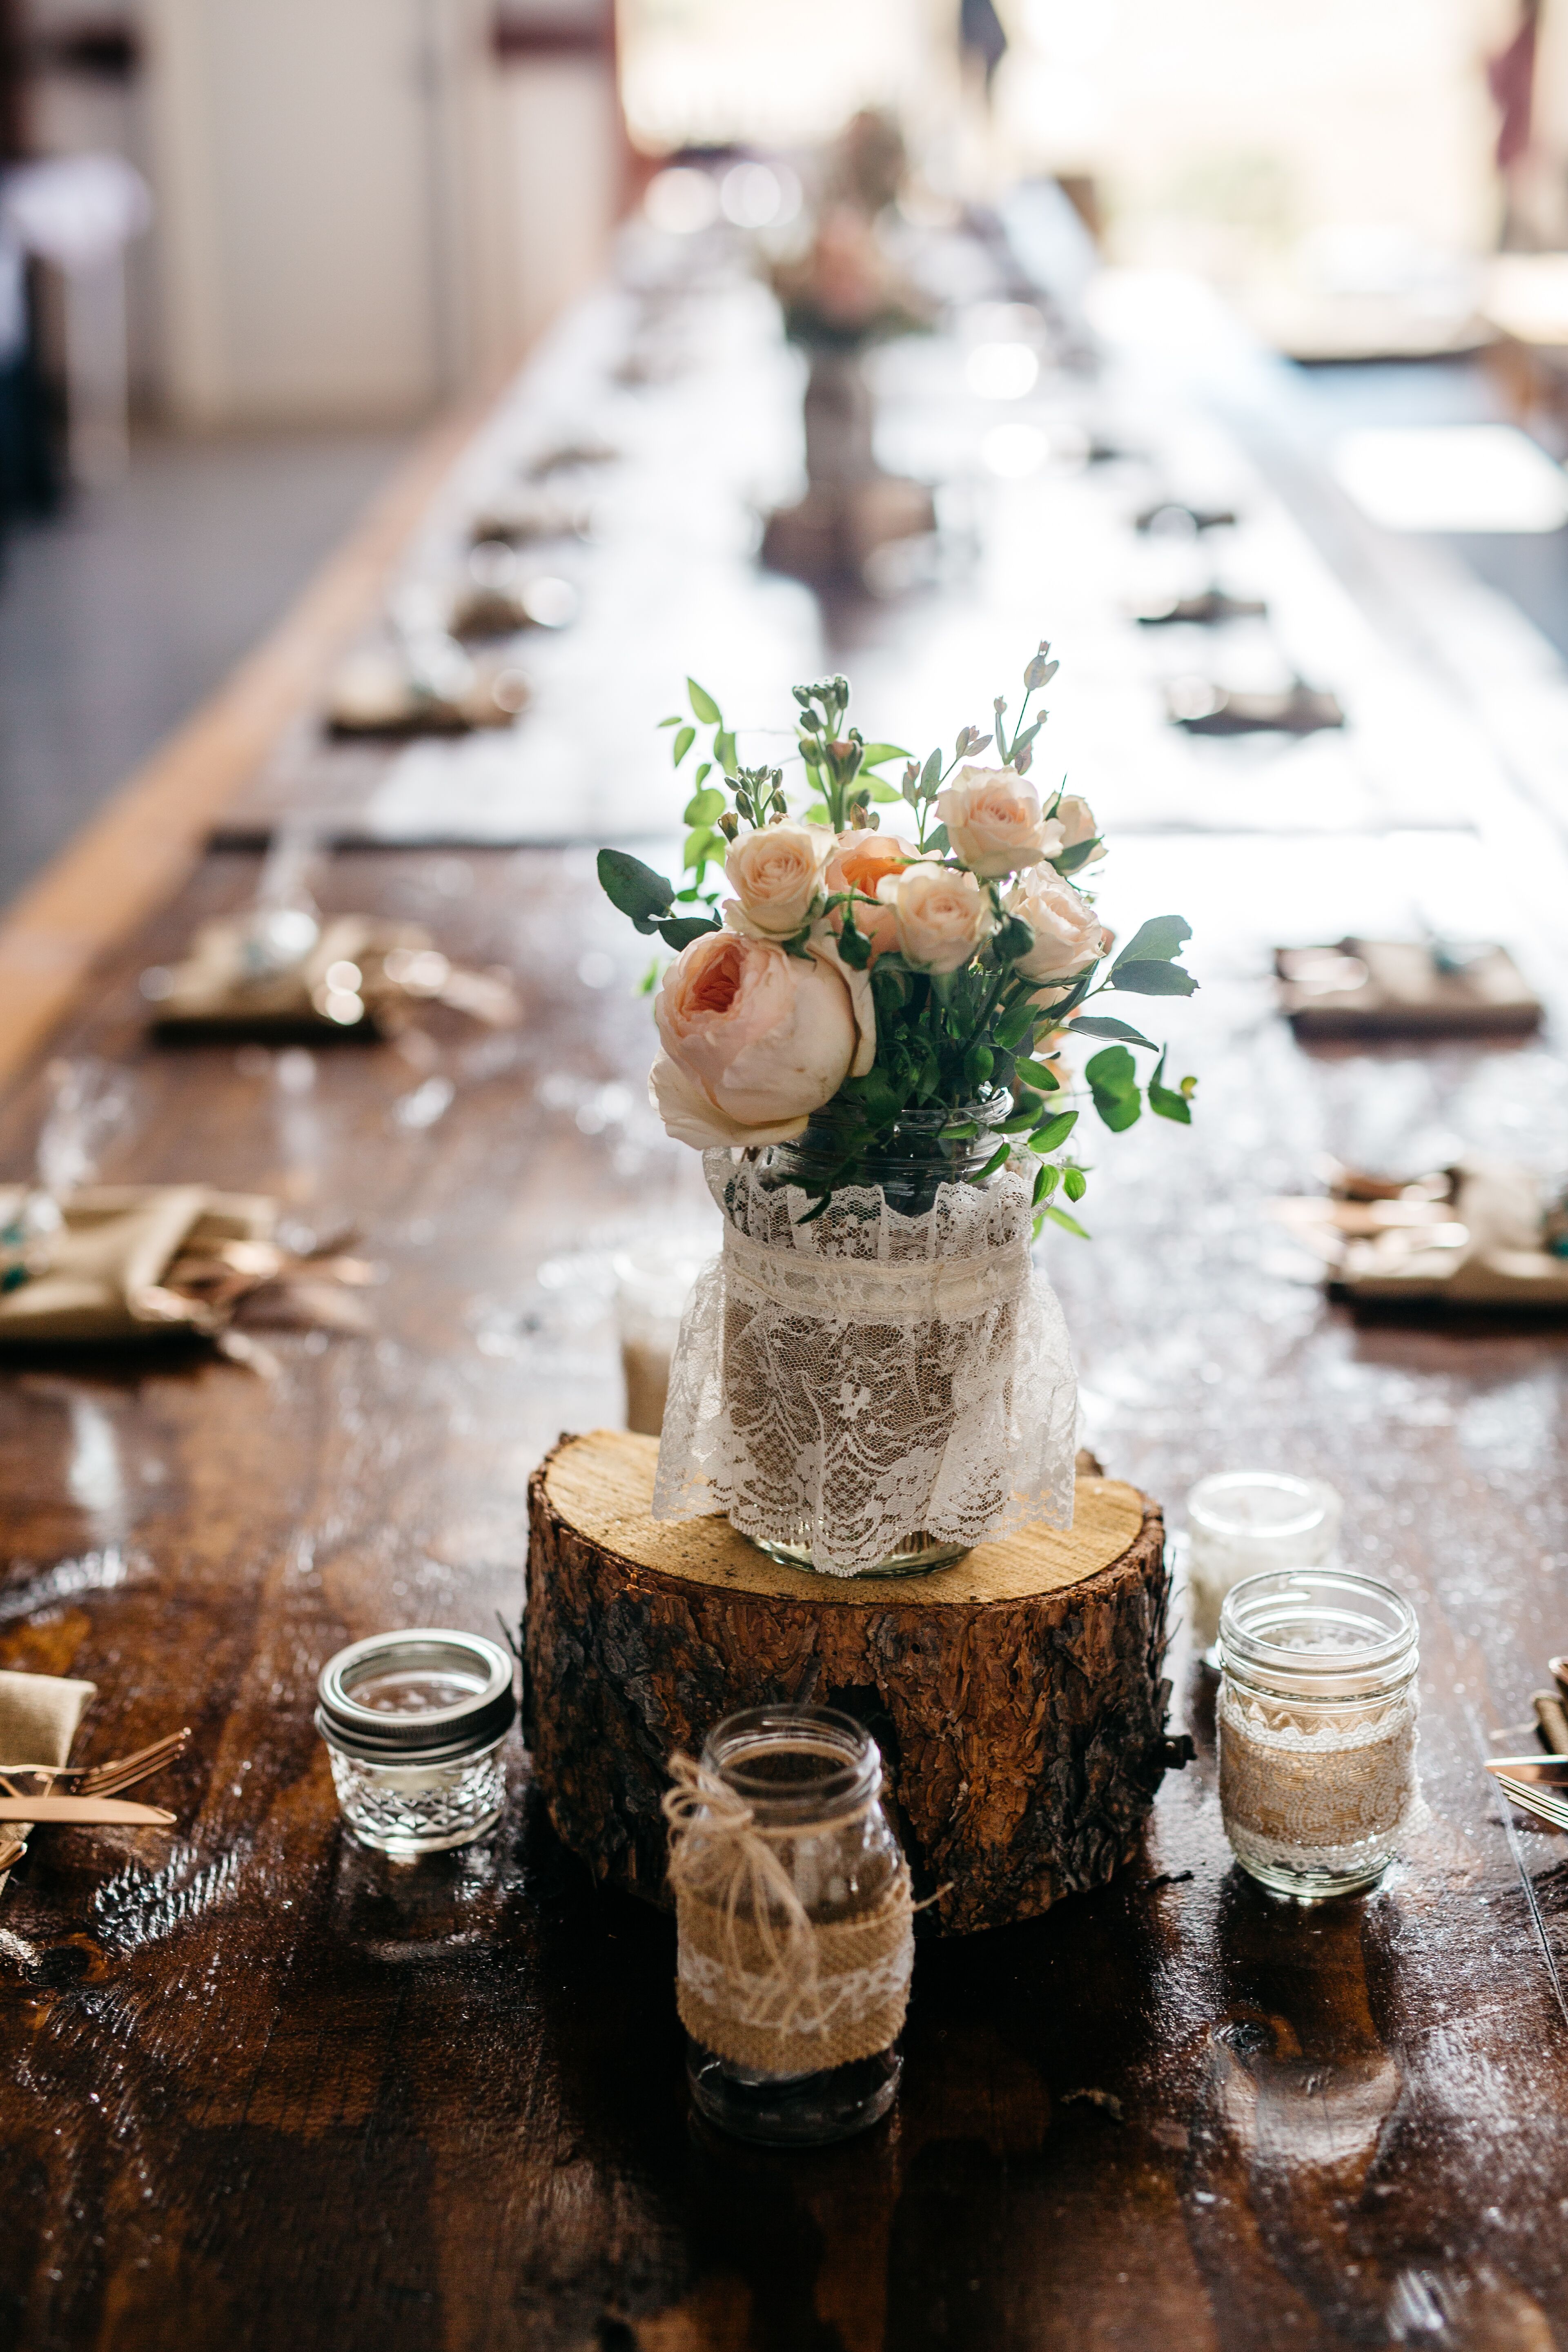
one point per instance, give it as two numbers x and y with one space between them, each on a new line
95 1811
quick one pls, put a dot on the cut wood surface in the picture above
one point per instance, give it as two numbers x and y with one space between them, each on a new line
1017 1695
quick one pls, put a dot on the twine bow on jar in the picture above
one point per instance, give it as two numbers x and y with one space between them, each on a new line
759 1980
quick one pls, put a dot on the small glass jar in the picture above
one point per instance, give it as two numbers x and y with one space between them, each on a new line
414 1723
921 1153
812 1779
1316 1721
653 1281
1244 1522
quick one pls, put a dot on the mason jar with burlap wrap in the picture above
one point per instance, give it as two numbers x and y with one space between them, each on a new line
872 1386
796 1926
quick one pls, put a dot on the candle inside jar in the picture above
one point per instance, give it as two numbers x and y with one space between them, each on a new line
1244 1522
413 1691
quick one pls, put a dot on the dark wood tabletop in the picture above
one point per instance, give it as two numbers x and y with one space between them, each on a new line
264 2088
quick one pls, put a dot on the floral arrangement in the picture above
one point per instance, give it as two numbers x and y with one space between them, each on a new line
844 293
859 982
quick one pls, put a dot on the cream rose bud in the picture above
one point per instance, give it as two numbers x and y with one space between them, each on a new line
1069 935
775 874
753 1040
994 821
944 918
1075 819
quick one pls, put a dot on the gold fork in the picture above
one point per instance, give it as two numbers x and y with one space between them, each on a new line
108 1778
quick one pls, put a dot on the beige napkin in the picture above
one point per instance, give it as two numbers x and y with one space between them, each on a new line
375 694
105 1275
390 968
1474 1239
1393 987
39 1719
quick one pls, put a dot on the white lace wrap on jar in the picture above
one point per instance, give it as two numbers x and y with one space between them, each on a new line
868 1379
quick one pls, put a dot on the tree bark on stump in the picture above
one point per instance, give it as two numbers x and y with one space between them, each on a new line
1016 1695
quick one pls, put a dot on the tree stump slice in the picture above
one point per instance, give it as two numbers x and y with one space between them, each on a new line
1018 1696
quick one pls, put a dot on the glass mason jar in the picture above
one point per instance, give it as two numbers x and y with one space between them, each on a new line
413 1723
1316 1720
812 1779
918 1157
907 1176
1244 1522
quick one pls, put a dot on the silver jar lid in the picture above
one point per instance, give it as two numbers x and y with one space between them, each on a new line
426 1696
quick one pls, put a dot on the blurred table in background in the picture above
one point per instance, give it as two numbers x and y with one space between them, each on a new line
267 2088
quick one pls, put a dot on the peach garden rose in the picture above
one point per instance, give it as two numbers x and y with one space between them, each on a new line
1068 934
943 917
776 876
860 862
753 1040
995 822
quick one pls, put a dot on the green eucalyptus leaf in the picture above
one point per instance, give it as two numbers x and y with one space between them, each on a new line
703 846
1051 1136
881 791
873 754
1164 1101
998 1158
1069 860
1016 1025
1040 1075
1113 1082
1059 1216
1158 940
853 947
704 808
632 888
682 744
724 749
1104 1025
1152 980
703 704
1075 1183
681 929
931 775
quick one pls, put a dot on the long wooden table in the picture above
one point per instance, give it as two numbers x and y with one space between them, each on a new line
265 2089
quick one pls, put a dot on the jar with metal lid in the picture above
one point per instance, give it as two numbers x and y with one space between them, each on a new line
413 1723
1316 1720
796 1926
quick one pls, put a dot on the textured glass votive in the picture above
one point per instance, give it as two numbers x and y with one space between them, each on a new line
653 1283
1244 1522
1316 1722
413 1723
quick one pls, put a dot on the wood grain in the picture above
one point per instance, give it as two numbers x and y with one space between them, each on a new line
602 1486
1020 1712
266 2089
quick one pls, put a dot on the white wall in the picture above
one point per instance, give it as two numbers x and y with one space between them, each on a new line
361 211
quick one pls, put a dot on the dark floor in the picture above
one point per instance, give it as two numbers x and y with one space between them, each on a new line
116 619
